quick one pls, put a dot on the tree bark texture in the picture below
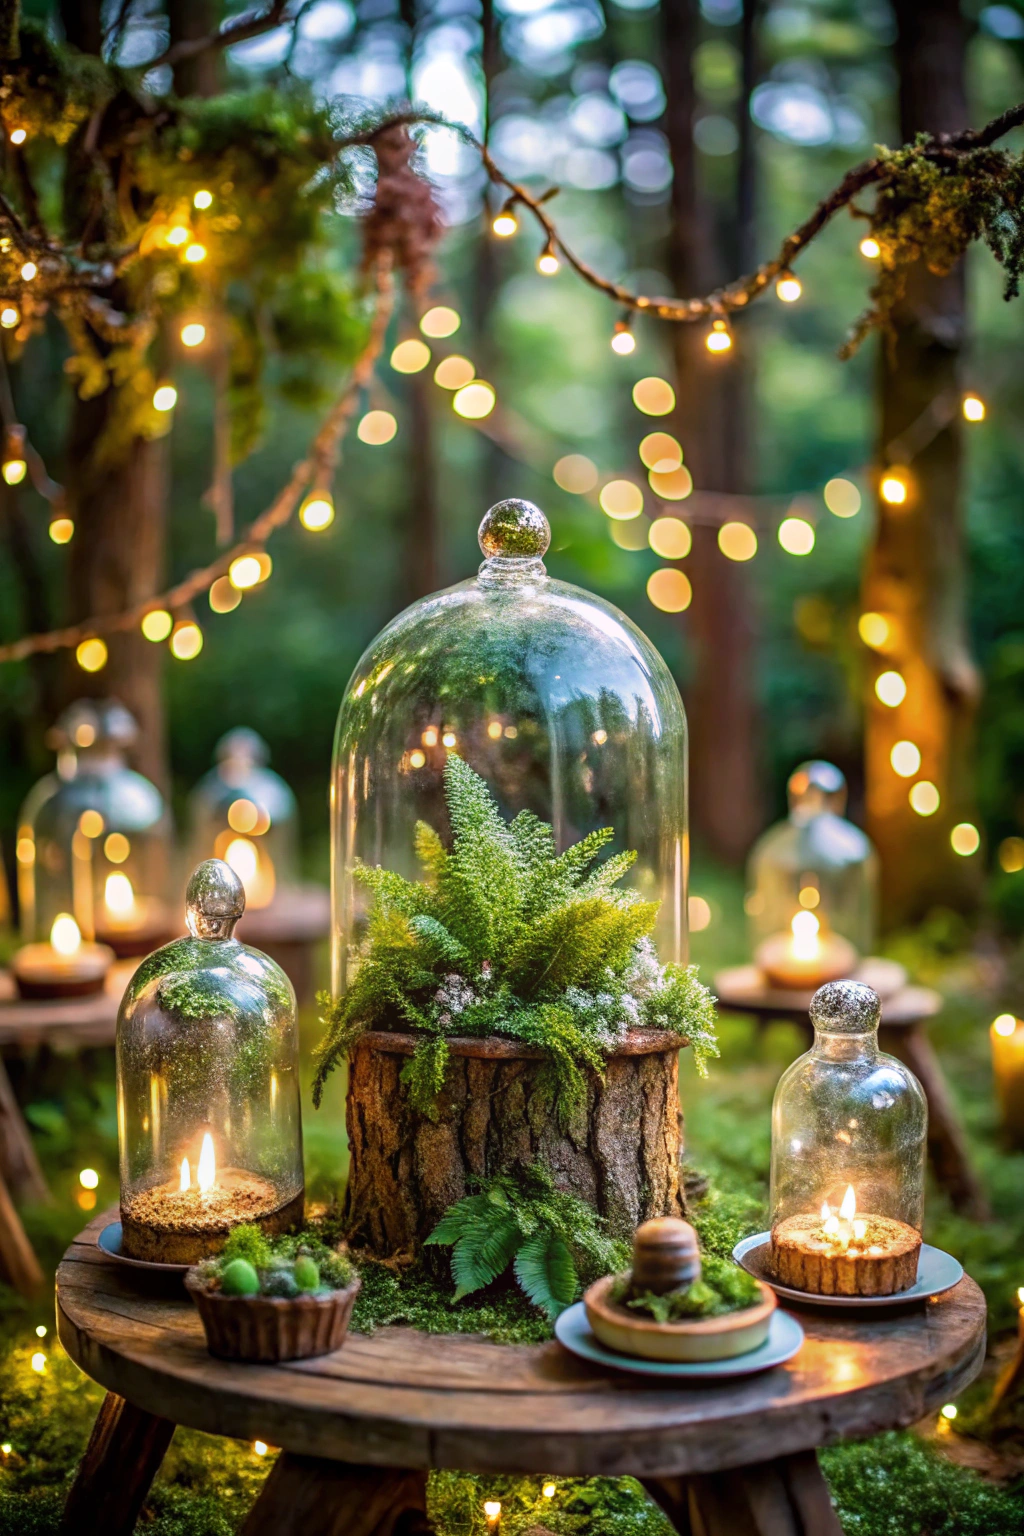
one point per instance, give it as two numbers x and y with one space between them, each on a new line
620 1153
712 421
915 569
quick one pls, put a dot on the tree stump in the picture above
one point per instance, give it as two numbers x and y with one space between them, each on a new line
620 1153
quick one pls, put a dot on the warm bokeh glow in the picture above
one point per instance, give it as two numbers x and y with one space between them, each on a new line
14 471
91 654
504 224
671 484
670 538
870 248
195 252
29 270
193 334
842 497
202 199
789 288
893 489
575 473
242 815
454 372
65 934
91 823
1011 855
1004 1025
654 396
905 758
973 408
924 798
630 534
719 338
474 401
890 689
186 640
317 512
440 321
623 341
157 624
737 541
19 135
165 398
89 1179
178 235
669 589
244 571
9 317
118 895
116 847
61 530
223 597
796 536
377 428
621 498
410 356
660 451
875 630
547 263
965 838
698 914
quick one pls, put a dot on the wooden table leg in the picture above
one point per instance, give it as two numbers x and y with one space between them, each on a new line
114 1476
947 1145
17 1257
19 1164
305 1496
787 1497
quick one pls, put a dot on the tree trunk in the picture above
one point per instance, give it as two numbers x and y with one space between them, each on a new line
712 423
915 569
189 20
620 1153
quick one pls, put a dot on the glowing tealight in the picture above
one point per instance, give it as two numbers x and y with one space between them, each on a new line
65 934
317 512
669 589
965 838
440 321
905 758
575 473
186 640
890 689
796 536
924 798
737 541
91 654
474 401
377 428
410 356
157 624
88 1178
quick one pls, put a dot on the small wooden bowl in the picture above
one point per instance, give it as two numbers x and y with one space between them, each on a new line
268 1329
699 1338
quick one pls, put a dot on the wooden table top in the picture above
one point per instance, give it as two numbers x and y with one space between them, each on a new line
403 1398
743 989
63 1022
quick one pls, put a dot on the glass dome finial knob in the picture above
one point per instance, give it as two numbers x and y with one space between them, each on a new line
214 900
845 1008
514 529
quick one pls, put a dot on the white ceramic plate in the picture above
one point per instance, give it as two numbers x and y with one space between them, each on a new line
936 1272
785 1337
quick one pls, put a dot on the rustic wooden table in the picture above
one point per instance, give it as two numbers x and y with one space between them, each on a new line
359 1429
903 1032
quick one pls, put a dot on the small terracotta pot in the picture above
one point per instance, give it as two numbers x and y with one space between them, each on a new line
272 1328
699 1338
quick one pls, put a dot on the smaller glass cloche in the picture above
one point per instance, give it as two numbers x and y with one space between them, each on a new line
94 838
207 1086
245 813
848 1155
812 886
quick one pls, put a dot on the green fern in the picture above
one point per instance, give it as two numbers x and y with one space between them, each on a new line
504 935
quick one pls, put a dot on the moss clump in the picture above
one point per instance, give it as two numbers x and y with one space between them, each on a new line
895 1486
722 1287
416 1299
297 1264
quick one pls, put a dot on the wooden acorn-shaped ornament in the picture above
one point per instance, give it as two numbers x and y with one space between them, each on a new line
665 1255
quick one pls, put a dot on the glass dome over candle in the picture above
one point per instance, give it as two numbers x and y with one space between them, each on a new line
94 838
550 694
207 1086
848 1155
244 812
812 886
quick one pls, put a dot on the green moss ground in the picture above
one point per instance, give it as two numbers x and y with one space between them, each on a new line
893 1485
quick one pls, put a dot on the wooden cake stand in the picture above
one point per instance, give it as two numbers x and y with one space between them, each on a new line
360 1428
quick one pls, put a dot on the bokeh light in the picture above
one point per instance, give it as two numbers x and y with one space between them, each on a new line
670 538
890 688
796 536
671 484
924 798
377 428
575 473
842 497
905 758
737 541
669 589
621 498
474 401
654 396
454 372
660 451
440 321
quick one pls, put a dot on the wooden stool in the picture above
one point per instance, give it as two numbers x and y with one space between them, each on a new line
360 1428
903 1033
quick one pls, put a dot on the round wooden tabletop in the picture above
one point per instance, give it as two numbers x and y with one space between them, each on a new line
407 1399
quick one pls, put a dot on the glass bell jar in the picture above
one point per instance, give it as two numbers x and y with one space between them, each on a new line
245 813
209 1125
94 838
549 693
812 886
848 1157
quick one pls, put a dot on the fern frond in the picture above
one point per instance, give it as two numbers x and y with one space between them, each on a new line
544 1268
573 944
429 850
392 890
439 946
600 882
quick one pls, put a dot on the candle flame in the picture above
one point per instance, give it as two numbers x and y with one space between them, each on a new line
848 1209
826 1210
119 896
805 928
186 1176
831 1226
207 1165
65 935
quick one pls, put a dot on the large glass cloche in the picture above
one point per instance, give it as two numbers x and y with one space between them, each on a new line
94 838
551 695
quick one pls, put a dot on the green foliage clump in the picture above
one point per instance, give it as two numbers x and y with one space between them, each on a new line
415 1298
298 1263
518 1218
506 936
722 1287
574 1506
894 1485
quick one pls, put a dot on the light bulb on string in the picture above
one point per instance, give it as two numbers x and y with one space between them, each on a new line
186 640
504 224
870 248
29 270
623 340
788 287
193 334
18 135
547 262
719 338
973 408
317 511
10 316
165 397
14 463
202 198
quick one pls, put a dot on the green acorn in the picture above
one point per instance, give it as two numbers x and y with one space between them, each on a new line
307 1274
239 1278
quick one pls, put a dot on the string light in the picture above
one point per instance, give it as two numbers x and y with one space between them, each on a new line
623 340
454 372
924 798
547 262
244 572
719 338
660 451
796 536
14 471
905 758
440 321
475 400
91 654
671 484
29 271
669 589
410 356
893 489
548 1491
10 316
193 334
670 538
973 408
178 235
202 199
505 223
39 1362
948 1410
377 428
875 630
89 1179
41 1330
870 248
223 596
576 474
842 497
737 541
195 252
621 499
165 398
654 396
890 688
186 640
788 288
61 530
317 511
260 1447
18 135
1011 855
965 838
157 624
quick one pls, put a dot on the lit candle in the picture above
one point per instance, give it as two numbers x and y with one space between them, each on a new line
255 868
805 958
67 966
492 1510
1007 1037
838 1253
131 924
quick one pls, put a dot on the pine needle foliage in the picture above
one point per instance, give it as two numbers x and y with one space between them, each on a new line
551 1240
506 936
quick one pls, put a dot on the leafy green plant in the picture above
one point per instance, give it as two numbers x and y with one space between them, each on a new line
722 1287
506 936
551 1240
251 1264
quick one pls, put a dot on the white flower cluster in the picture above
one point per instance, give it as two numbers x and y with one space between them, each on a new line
453 996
